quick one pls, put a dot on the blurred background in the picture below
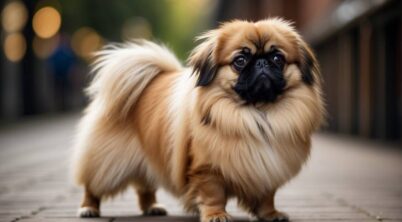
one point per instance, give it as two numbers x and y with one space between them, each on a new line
46 48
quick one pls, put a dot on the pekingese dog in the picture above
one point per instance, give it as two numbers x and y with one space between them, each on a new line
236 123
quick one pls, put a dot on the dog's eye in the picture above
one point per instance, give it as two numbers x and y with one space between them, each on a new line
240 62
278 60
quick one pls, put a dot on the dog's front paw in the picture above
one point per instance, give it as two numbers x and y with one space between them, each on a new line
88 212
217 217
275 216
155 210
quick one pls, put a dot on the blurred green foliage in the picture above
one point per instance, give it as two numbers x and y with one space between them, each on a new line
172 22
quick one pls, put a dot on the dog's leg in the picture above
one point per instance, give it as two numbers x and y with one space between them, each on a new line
90 205
212 202
148 203
267 212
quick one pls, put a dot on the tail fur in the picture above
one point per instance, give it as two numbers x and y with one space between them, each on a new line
123 71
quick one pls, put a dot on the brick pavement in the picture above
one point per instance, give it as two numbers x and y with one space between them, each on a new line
345 180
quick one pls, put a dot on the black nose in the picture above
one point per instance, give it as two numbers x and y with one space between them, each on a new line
261 63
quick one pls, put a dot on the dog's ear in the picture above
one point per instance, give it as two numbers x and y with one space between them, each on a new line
308 65
203 59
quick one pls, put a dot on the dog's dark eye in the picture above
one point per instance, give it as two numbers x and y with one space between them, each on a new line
278 60
240 62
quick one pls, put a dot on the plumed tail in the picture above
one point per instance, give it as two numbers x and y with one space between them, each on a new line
123 71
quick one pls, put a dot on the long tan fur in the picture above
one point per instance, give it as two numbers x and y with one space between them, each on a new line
149 126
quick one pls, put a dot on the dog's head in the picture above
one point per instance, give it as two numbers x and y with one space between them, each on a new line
255 62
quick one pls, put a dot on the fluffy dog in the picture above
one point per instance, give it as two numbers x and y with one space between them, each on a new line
236 123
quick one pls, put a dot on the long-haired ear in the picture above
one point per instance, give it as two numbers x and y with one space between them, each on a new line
202 59
308 65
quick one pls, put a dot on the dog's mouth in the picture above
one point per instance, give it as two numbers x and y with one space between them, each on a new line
264 89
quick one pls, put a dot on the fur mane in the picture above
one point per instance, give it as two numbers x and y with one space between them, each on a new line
277 135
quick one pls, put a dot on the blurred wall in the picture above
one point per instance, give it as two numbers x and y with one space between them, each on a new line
359 47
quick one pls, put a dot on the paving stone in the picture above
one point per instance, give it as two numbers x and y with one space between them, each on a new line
345 180
40 219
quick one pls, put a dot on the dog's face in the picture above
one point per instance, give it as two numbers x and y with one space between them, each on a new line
255 62
261 76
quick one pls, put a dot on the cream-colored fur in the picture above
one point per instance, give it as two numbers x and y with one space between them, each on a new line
147 125
107 155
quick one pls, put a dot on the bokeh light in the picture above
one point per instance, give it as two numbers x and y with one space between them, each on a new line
15 47
46 22
85 41
136 27
14 16
43 48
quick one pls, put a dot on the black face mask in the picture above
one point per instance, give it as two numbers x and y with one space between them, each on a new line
261 79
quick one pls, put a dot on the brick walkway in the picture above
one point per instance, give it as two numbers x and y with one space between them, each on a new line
345 180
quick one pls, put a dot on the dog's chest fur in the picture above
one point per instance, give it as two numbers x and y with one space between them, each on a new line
241 150
248 147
